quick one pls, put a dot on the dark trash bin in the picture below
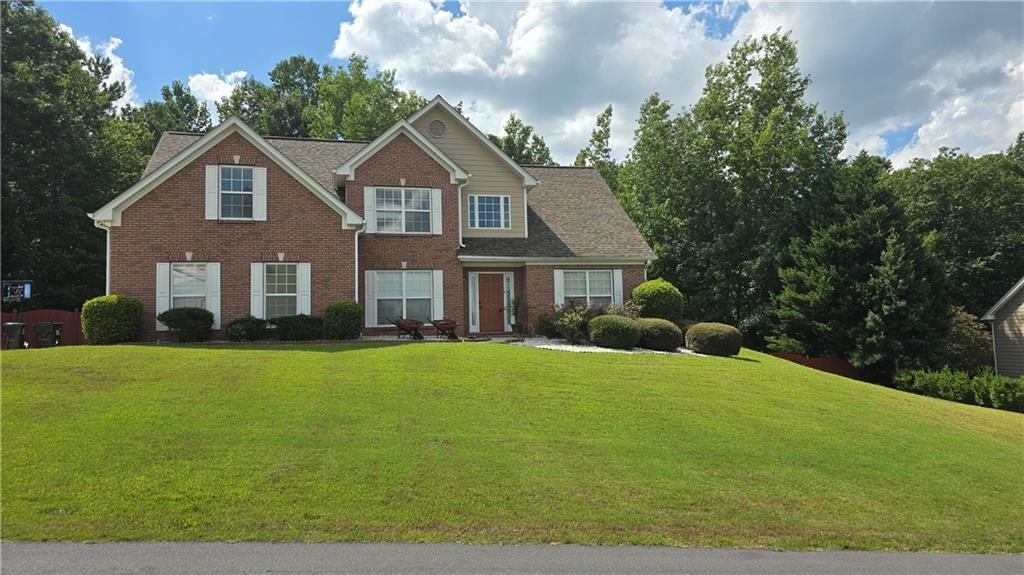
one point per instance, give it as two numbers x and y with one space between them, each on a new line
14 335
48 333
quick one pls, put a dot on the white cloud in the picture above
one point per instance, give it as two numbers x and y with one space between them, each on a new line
212 88
118 71
954 70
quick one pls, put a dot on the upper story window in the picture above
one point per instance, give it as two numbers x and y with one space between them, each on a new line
490 212
403 210
188 285
590 287
236 192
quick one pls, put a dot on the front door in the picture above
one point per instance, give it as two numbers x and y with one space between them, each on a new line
492 302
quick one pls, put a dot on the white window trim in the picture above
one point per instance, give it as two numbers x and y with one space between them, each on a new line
221 192
474 211
429 211
508 283
381 322
267 295
610 295
170 288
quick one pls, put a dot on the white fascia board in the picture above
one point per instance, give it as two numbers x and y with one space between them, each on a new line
528 180
990 315
348 169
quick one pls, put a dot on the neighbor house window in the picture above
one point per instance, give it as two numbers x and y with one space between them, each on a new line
188 285
589 287
282 291
403 210
404 295
490 212
235 192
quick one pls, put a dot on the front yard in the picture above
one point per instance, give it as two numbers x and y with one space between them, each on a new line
493 443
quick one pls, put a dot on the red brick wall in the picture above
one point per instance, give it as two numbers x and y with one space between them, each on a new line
540 286
403 159
170 220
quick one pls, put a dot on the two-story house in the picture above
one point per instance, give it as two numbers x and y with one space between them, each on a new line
430 220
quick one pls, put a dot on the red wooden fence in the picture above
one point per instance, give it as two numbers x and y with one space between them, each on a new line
71 334
836 365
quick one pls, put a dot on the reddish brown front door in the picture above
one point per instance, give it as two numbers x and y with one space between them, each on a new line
492 305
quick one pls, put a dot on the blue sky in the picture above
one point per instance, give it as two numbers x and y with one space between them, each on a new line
908 77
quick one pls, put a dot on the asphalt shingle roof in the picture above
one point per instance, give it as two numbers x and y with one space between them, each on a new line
572 212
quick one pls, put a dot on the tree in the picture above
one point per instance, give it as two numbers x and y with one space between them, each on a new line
522 144
178 110
598 152
64 153
973 208
285 107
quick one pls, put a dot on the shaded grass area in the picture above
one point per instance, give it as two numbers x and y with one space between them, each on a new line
493 443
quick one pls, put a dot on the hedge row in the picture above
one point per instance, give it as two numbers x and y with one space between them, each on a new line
986 389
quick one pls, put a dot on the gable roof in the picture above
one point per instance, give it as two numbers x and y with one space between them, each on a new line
348 168
991 314
572 214
155 174
528 180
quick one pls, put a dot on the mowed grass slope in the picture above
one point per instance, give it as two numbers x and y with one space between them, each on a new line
494 443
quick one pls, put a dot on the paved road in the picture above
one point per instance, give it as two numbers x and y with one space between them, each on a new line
237 558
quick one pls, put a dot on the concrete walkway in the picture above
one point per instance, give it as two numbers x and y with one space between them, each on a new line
405 558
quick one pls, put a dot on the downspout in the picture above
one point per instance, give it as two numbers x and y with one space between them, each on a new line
360 230
995 358
459 203
107 288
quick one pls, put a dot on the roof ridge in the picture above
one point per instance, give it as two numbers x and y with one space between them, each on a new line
201 134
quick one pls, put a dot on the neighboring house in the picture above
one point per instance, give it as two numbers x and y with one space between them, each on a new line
429 220
1007 318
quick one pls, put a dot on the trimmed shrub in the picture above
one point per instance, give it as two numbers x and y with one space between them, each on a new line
571 323
685 324
298 327
659 298
614 331
111 319
714 339
985 389
343 320
629 309
659 334
246 328
188 323
546 324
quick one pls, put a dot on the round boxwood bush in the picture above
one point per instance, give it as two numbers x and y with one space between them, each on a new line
189 323
248 328
659 334
343 320
658 298
613 331
714 339
298 327
111 319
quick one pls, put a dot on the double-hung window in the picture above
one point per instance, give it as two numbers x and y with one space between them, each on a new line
591 287
236 192
404 295
403 210
281 289
188 285
490 212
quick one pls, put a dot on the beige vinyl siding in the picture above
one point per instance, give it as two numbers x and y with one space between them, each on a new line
1008 330
489 174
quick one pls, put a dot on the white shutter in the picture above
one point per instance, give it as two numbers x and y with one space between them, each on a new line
213 292
617 286
256 290
438 311
304 281
435 211
559 287
370 210
163 291
370 299
212 192
259 194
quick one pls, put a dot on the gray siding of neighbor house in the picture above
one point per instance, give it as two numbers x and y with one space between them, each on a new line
1008 336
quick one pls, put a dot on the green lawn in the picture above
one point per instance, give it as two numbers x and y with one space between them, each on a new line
493 443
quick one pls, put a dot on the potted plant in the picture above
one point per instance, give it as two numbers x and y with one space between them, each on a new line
514 315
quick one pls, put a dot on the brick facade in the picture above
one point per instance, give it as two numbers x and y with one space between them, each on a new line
539 283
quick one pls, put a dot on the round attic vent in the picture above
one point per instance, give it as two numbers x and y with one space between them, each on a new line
437 128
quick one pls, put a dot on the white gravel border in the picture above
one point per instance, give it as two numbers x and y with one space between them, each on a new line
562 345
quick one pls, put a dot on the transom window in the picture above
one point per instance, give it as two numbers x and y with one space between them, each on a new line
404 295
490 212
235 192
188 285
403 210
591 287
281 289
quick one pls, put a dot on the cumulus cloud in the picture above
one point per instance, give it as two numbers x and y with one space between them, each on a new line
212 88
118 71
952 71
